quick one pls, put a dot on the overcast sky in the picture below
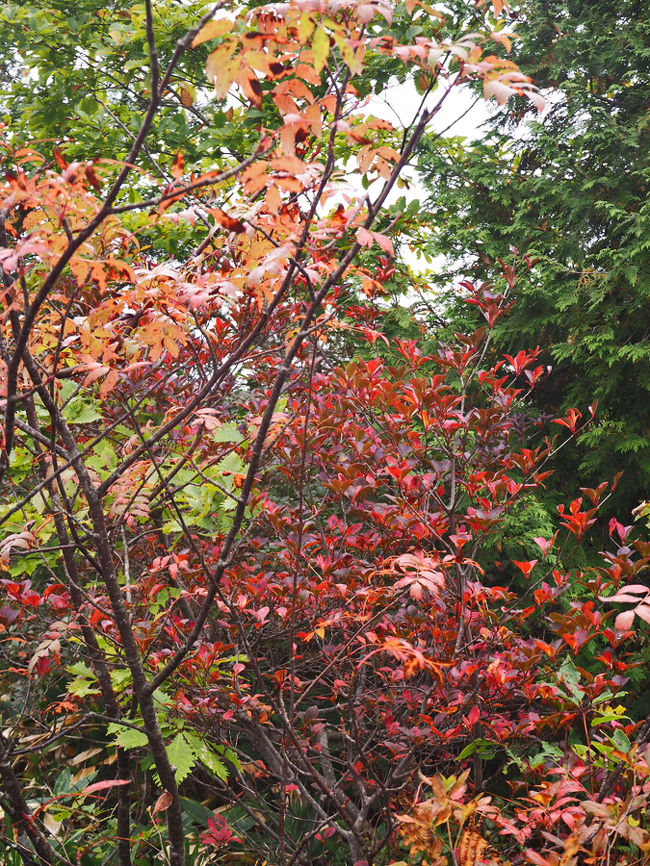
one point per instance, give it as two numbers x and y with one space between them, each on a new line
461 114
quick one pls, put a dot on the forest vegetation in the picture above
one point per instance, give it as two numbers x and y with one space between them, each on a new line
309 554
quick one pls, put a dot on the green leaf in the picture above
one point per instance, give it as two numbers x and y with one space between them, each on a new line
77 408
601 720
128 738
620 740
121 678
197 811
181 756
81 688
62 783
227 432
81 669
207 756
231 463
570 676
548 751
484 747
104 458
231 756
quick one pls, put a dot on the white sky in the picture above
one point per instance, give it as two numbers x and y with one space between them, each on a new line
399 103
460 115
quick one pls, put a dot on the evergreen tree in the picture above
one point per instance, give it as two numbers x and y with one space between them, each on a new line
570 190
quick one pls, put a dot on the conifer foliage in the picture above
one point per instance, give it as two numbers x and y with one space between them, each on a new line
569 190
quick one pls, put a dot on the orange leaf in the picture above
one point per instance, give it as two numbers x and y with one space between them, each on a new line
251 87
290 164
60 160
121 268
273 200
288 140
169 200
98 273
79 268
109 383
178 164
187 97
292 184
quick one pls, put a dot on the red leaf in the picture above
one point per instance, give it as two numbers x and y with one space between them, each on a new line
620 596
8 615
624 594
364 237
571 420
623 621
385 243
103 786
93 180
544 544
262 614
526 567
230 224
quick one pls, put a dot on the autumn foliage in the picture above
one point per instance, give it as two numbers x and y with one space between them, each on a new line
251 602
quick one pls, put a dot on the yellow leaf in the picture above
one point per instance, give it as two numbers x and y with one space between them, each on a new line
223 74
217 58
82 774
212 29
347 52
305 27
320 47
53 826
258 60
34 218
